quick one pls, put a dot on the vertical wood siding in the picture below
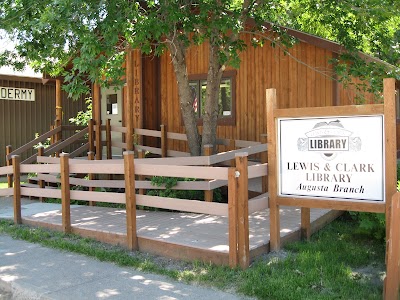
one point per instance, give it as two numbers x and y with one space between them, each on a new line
20 120
303 78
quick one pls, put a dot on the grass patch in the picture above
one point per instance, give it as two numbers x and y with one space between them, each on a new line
3 185
332 266
336 264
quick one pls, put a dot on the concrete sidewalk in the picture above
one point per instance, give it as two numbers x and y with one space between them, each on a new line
30 271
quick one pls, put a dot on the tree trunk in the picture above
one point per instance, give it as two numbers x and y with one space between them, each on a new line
210 117
177 50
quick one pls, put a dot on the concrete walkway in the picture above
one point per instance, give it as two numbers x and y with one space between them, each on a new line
30 271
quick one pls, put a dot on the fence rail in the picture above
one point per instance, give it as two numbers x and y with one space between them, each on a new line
209 172
60 170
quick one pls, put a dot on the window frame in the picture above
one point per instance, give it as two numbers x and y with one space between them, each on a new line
227 120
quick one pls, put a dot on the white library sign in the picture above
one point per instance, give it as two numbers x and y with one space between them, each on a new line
331 157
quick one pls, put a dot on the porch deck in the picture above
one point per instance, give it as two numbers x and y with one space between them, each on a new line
173 234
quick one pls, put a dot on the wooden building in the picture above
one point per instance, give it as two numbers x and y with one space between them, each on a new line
27 107
303 77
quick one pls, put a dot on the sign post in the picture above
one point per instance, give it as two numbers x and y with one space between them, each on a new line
340 157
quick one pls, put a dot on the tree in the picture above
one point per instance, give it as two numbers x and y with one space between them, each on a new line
91 37
370 26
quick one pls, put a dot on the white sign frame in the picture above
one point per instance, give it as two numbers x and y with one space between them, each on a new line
332 157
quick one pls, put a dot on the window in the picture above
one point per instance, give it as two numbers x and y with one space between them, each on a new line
226 101
112 104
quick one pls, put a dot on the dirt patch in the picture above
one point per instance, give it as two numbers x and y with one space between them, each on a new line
373 274
164 262
273 257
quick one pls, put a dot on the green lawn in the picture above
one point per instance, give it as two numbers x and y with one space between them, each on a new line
337 264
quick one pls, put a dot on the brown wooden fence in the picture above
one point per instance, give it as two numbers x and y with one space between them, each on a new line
236 178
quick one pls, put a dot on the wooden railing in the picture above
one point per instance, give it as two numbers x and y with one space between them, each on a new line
54 147
54 169
57 145
163 135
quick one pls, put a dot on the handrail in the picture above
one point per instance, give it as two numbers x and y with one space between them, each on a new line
175 136
73 127
32 158
80 150
67 142
58 145
34 142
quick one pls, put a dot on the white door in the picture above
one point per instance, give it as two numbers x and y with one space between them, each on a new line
111 108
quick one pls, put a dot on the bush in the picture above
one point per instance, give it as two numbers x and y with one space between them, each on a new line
372 225
170 182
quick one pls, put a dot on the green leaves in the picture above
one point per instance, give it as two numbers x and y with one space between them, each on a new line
86 40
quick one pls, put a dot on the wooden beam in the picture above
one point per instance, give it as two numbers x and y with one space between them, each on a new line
108 138
391 283
208 195
40 152
232 147
233 218
305 227
58 108
141 155
91 177
389 98
99 146
9 163
97 118
137 90
264 159
65 193
17 189
129 122
164 141
130 194
272 176
91 135
96 103
243 210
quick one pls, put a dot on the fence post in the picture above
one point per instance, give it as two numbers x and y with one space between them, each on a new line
208 195
17 189
305 227
9 163
91 135
391 283
99 147
40 181
164 141
65 193
243 209
264 159
141 177
91 177
108 138
233 218
129 170
274 217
